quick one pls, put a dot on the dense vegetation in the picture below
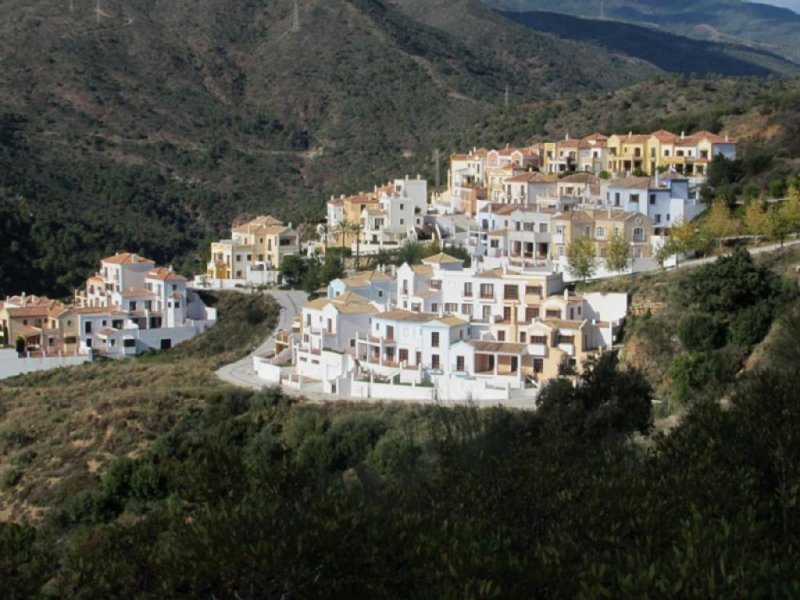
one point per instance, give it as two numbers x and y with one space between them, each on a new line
670 52
254 496
757 24
704 325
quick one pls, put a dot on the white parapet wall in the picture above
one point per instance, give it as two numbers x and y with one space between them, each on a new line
11 365
269 372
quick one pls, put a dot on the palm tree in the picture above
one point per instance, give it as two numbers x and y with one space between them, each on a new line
325 228
356 229
342 228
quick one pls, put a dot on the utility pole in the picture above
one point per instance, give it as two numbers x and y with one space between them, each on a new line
437 161
296 18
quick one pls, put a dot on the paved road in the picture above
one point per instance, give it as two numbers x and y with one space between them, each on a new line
697 262
241 372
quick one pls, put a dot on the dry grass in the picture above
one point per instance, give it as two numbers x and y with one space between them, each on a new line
60 428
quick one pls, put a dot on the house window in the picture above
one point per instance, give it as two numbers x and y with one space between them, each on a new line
501 336
434 361
533 290
638 234
487 313
133 305
466 309
435 307
652 199
405 286
600 232
460 364
634 198
401 221
436 284
542 227
468 290
450 307
553 313
540 340
522 337
616 199
658 218
531 312
435 339
487 291
538 365
511 292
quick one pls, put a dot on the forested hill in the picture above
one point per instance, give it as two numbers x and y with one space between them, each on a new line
735 21
153 124
667 51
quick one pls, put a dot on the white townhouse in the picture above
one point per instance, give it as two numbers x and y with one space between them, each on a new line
376 286
529 189
127 309
400 211
401 339
665 199
593 153
489 334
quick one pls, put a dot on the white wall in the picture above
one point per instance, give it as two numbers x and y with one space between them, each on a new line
11 364
606 307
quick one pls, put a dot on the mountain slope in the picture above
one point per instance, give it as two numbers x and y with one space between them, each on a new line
222 111
670 52
768 27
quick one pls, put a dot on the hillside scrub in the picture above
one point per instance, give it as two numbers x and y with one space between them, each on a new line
60 428
709 321
252 495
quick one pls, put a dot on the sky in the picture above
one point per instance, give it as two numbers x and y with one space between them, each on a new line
793 4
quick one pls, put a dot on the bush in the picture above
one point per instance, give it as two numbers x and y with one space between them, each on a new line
11 477
751 325
701 332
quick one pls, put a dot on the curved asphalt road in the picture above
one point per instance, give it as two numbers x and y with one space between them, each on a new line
241 372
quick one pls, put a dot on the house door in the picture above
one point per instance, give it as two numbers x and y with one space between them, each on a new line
403 355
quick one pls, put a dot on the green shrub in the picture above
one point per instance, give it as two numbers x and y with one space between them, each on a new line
751 325
11 477
700 333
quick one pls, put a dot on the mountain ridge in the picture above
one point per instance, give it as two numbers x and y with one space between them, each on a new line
773 28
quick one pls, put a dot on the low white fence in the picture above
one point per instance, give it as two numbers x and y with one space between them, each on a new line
11 364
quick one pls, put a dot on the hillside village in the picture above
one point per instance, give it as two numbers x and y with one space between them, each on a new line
493 329
500 327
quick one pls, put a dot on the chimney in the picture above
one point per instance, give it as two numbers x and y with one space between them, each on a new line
727 137
683 135
630 134
566 294
566 137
